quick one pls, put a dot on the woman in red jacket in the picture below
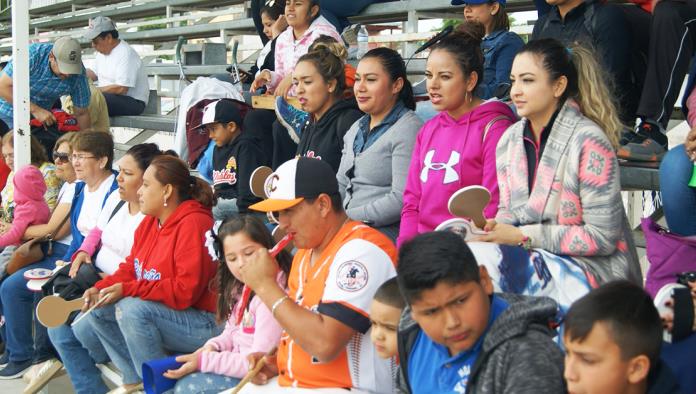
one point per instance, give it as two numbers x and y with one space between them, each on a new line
160 299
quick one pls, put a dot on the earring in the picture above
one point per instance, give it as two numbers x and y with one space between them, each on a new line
165 202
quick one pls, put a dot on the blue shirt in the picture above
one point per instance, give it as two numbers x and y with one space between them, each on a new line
432 370
44 86
366 137
499 50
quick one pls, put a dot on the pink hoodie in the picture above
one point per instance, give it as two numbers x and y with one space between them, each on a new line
448 155
259 332
30 206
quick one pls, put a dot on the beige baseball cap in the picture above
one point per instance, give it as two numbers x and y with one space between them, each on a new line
98 26
68 55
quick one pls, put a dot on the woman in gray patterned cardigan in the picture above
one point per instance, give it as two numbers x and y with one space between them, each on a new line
557 167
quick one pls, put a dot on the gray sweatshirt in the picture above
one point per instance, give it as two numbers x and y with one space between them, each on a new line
518 355
375 193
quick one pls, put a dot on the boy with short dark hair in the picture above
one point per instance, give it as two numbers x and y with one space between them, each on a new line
385 314
462 337
235 156
612 338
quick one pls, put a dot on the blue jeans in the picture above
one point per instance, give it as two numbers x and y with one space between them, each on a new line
204 383
134 331
81 350
678 198
225 209
17 304
338 11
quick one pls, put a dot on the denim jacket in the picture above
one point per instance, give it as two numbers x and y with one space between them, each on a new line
499 49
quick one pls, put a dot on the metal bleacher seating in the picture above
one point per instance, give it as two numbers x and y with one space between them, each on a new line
161 22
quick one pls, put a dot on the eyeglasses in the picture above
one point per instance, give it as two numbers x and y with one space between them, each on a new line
60 156
76 157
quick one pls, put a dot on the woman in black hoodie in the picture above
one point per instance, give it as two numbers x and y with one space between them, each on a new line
319 79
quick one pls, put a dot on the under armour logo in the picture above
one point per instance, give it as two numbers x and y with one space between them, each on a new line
450 174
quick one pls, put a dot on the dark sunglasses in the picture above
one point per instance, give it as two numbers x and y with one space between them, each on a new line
62 156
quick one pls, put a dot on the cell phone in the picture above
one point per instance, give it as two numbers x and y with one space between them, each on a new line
685 277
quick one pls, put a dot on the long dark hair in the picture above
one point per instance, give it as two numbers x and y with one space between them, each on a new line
500 20
394 65
464 45
229 287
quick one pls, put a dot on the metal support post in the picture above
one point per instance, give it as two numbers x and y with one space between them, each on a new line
20 82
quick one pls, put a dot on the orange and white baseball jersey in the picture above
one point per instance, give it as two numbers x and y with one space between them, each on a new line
340 284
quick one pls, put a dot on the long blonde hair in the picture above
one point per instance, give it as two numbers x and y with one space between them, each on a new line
588 87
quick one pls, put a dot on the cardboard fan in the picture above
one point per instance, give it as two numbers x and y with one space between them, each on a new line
469 202
53 310
257 181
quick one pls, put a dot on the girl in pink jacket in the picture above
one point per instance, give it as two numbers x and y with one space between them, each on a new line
456 148
222 361
30 206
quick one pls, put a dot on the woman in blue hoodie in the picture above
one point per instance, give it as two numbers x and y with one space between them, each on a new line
499 45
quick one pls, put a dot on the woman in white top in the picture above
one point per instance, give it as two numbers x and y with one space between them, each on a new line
91 158
80 349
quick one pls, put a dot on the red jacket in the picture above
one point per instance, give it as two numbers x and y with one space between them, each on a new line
170 264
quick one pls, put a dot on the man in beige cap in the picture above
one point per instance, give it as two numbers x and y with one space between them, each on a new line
54 70
117 69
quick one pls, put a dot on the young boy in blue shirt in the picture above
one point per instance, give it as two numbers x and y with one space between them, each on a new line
461 337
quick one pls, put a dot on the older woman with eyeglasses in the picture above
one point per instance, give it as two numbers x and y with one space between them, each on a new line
91 159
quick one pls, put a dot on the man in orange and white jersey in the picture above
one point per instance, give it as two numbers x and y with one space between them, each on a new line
339 265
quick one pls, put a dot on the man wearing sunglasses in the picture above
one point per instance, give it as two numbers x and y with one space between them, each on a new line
54 70
117 69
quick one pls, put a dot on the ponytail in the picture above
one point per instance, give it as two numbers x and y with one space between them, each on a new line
586 85
329 65
201 192
394 65
593 94
170 170
464 45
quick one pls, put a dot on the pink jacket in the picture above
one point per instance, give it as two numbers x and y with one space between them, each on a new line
448 155
691 104
288 50
258 333
30 206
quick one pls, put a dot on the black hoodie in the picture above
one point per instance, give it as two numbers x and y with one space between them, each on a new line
232 168
324 139
661 380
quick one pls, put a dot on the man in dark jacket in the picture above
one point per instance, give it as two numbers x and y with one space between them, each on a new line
457 336
603 28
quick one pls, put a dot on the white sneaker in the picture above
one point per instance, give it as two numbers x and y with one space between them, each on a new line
40 374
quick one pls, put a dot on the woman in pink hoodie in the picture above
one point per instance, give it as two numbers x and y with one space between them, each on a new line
456 148
222 361
30 206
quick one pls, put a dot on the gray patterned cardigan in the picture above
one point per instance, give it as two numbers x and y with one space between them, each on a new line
575 206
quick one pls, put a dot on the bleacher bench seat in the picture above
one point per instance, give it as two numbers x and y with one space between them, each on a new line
146 122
